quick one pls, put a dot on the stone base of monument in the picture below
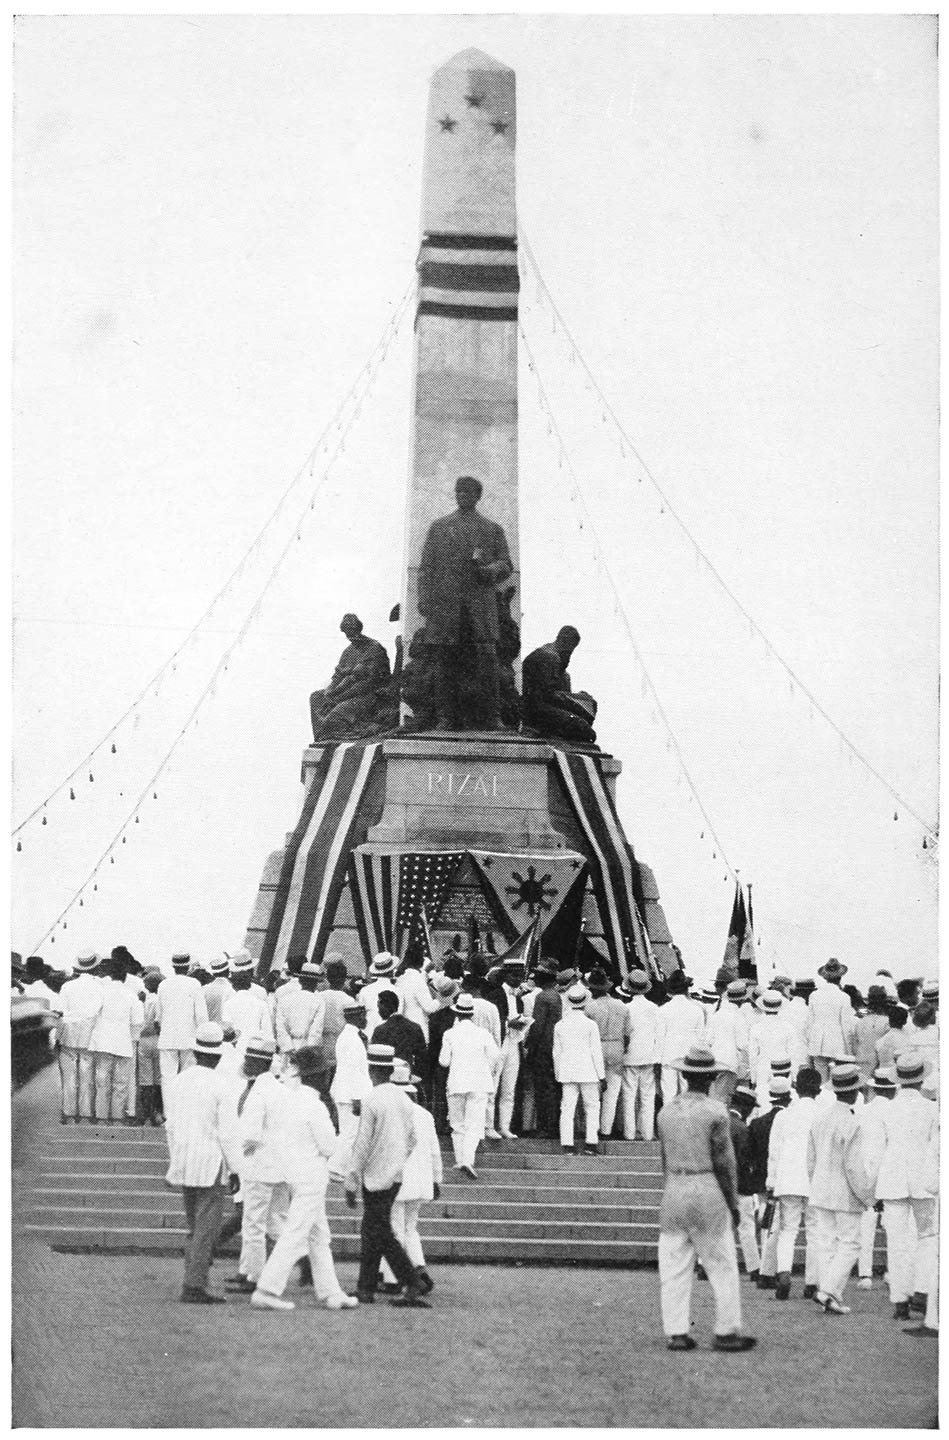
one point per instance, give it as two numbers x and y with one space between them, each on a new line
494 824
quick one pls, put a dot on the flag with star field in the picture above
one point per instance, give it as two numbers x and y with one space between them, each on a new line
389 892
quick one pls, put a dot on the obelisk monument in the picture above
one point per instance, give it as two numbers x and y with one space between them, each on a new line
465 404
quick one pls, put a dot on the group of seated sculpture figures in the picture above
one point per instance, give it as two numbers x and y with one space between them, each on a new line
459 674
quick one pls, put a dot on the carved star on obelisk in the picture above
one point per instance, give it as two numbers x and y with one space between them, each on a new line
447 123
499 127
474 101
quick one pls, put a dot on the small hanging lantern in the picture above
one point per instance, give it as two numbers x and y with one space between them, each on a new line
72 793
19 845
43 821
80 902
113 747
895 815
91 777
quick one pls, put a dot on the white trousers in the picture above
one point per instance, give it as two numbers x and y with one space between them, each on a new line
609 1100
769 1249
747 1234
639 1101
868 1231
910 1265
837 1233
793 1211
265 1211
716 1250
346 1139
76 1071
570 1091
466 1118
169 1063
305 1231
405 1225
112 1085
671 1083
510 1068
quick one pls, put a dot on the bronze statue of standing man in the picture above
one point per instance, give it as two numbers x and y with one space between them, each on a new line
464 559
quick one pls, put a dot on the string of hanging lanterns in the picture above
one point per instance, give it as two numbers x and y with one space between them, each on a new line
608 415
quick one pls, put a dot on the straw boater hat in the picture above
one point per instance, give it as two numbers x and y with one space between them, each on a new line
383 964
444 987
780 1067
260 1048
577 996
208 1038
833 970
380 1056
403 1077
242 964
352 1004
313 970
844 1078
735 990
220 966
779 1085
883 1081
698 1061
931 990
88 961
771 1002
709 996
637 982
910 1068
181 961
464 1006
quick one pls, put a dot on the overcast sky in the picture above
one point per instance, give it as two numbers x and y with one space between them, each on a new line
215 217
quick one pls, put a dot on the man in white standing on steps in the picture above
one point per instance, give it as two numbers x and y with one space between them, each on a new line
681 1024
639 1061
300 1011
113 1043
80 1001
579 1068
470 1055
180 1008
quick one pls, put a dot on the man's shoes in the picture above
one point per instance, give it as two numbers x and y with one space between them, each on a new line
66 1120
389 1287
411 1300
469 1170
342 1301
864 1283
423 1281
508 1135
263 1300
680 1342
782 1288
492 1135
766 1282
901 1310
240 1285
917 1302
566 1150
191 1295
365 1297
808 1292
591 1150
921 1331
753 1276
832 1306
734 1342
819 1298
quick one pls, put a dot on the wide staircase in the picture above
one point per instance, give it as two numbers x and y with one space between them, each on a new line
93 1188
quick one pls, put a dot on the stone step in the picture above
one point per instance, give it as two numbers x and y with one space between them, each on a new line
154 1136
71 1190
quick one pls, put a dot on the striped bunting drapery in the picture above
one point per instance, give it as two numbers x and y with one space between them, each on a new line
468 277
611 864
314 873
389 890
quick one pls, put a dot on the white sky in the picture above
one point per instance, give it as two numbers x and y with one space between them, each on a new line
214 218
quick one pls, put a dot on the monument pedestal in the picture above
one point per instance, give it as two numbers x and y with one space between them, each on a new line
494 824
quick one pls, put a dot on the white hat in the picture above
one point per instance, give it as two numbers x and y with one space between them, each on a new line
220 967
577 996
208 1038
383 964
464 1005
241 964
88 961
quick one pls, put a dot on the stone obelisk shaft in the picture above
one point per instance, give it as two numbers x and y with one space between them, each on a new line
465 412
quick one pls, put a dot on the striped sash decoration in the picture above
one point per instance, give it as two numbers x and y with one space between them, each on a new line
374 887
469 277
314 869
612 867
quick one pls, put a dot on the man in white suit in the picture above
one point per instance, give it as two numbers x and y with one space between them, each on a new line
681 1026
263 1165
899 1169
831 1019
839 1188
203 1157
113 1043
770 1037
727 1036
579 1068
80 1001
469 1054
644 1031
180 1008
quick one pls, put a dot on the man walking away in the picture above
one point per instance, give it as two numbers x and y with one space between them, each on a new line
699 1207
80 1001
470 1055
180 1010
839 1188
578 1065
643 1049
743 1102
789 1184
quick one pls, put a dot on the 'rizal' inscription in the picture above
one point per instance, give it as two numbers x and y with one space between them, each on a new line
463 785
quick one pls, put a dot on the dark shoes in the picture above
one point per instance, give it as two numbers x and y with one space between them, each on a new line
901 1310
809 1292
753 1276
240 1285
782 1288
921 1331
424 1281
412 1299
366 1297
767 1282
390 1287
192 1296
680 1342
591 1150
469 1170
917 1302
734 1343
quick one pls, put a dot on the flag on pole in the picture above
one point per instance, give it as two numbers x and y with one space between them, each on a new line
526 947
736 932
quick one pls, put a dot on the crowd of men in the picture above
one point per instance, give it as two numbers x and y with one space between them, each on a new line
799 1104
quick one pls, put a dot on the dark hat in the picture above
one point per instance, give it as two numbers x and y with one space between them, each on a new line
677 983
381 1056
910 1068
598 981
833 970
309 1060
566 978
804 987
745 1092
181 961
698 1061
546 969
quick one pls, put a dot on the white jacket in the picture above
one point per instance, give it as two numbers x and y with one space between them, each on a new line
306 1137
578 1051
469 1054
423 1169
121 1013
681 1025
200 1129
80 1001
832 1020
899 1162
180 1010
415 998
351 1080
728 1037
298 1017
770 1038
643 1047
262 1123
248 1014
787 1148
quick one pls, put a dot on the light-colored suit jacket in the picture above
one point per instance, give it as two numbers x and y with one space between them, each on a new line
199 1125
835 1165
470 1054
181 1009
578 1053
832 1021
902 1141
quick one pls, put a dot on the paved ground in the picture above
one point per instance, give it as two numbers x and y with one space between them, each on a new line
102 1341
